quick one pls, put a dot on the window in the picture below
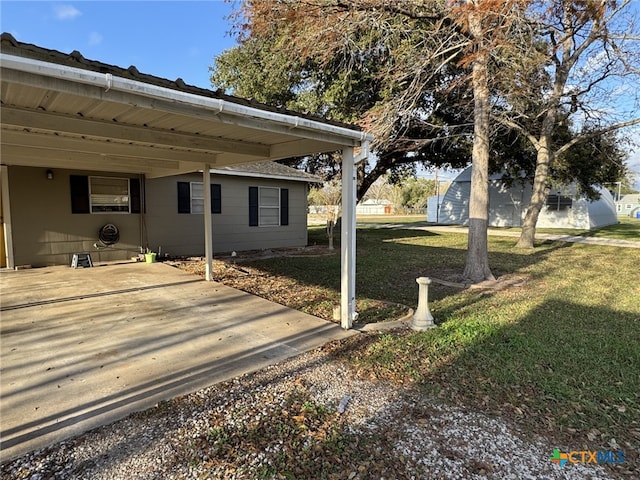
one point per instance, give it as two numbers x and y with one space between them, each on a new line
109 194
268 206
197 198
559 202
104 194
191 197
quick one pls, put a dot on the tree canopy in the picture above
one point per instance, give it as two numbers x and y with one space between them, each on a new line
526 85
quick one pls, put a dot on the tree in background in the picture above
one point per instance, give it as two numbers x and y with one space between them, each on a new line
353 63
439 82
415 74
406 194
327 197
584 67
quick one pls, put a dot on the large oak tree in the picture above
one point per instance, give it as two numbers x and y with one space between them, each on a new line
415 74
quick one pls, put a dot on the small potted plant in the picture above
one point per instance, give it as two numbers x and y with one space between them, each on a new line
149 256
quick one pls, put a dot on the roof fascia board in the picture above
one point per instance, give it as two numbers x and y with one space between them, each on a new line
235 173
260 119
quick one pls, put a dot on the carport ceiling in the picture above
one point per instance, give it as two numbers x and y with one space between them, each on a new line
65 111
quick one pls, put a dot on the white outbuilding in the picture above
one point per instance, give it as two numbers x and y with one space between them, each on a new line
565 206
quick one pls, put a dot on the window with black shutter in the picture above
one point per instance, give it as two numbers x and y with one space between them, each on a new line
191 197
268 206
105 194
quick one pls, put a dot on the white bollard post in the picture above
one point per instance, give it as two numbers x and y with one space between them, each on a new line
422 319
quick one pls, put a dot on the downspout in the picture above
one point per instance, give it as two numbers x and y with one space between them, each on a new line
144 237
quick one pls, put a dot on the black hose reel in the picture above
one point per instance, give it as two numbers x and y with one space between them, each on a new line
109 235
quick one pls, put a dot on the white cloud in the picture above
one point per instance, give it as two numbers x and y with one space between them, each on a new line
95 38
66 12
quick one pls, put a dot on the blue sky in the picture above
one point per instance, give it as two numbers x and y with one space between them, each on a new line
169 39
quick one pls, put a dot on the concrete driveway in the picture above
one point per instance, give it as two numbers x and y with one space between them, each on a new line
84 347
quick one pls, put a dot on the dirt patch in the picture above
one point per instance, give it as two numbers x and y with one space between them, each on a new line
238 272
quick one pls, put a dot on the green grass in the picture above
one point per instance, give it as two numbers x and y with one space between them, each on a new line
627 228
560 354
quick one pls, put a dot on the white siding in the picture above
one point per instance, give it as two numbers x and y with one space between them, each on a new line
507 207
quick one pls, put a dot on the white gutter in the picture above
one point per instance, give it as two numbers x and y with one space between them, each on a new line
113 83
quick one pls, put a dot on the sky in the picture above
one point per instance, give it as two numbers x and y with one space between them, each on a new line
168 39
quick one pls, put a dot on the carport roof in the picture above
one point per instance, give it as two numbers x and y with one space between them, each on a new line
62 110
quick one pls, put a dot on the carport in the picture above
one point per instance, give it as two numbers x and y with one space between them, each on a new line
82 348
64 111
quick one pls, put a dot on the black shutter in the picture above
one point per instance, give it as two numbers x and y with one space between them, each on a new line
253 206
134 192
79 193
284 206
184 197
216 198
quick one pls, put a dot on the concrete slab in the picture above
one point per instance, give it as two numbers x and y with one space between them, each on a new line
82 348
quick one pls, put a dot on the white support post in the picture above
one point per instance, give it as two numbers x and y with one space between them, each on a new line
6 217
348 240
208 227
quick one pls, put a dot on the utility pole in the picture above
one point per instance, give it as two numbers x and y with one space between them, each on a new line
437 196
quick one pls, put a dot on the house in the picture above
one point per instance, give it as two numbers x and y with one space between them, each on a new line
564 208
254 206
629 205
374 207
83 141
164 213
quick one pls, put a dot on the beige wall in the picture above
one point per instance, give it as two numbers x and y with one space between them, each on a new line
183 234
45 232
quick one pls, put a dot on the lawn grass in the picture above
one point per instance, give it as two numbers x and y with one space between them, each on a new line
559 355
627 228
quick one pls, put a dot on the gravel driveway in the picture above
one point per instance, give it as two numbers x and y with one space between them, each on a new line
285 422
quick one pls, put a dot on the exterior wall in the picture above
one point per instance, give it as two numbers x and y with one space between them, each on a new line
45 232
454 206
628 206
507 207
183 234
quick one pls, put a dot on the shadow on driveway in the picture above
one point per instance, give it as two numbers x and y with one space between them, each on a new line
83 348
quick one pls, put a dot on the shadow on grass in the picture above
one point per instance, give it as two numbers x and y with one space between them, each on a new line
565 370
626 229
389 260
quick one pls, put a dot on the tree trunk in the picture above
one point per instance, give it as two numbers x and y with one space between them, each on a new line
538 196
477 264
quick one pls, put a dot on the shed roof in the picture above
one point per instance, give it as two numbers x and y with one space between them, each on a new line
267 170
